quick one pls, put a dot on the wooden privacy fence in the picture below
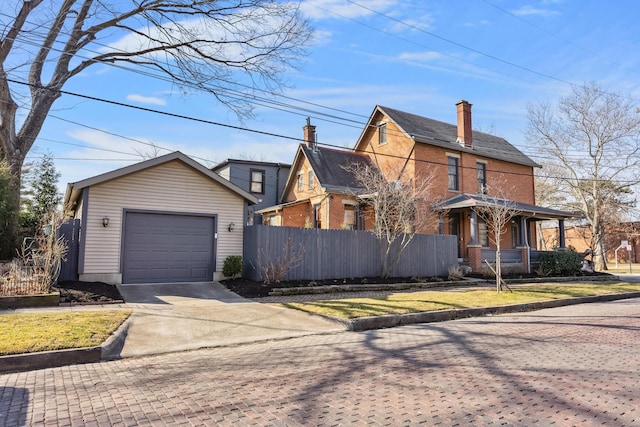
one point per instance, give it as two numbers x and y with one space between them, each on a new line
336 254
70 229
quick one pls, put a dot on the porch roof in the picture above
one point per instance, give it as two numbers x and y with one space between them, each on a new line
470 201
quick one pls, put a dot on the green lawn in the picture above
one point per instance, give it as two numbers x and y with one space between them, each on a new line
415 302
28 333
622 268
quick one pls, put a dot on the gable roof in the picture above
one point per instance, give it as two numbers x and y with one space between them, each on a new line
441 134
74 189
330 167
250 163
469 201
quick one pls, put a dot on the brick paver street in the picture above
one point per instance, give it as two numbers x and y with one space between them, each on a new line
570 366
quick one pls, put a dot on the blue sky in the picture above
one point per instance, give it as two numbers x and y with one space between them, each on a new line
417 56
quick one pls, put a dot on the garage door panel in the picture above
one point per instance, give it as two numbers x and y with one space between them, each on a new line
167 248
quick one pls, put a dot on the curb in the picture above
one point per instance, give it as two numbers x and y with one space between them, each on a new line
393 320
108 350
111 348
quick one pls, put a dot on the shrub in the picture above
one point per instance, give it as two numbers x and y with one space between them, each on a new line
275 264
232 266
456 272
560 263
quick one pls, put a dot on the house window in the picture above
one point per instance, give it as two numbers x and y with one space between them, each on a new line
515 235
349 217
452 163
382 133
481 173
257 181
300 184
483 234
312 183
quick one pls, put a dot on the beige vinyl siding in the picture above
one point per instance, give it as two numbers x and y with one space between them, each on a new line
169 187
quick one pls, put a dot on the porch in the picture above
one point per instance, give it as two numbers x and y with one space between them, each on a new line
517 245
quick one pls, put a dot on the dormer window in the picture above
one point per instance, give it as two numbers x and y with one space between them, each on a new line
382 133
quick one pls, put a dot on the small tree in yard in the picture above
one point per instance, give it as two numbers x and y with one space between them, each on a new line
400 210
43 197
497 212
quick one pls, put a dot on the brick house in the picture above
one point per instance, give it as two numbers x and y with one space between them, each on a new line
320 191
466 167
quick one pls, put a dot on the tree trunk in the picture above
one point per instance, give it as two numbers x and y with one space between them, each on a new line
498 271
599 250
9 232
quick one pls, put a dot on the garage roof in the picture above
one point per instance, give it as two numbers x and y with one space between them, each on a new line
74 189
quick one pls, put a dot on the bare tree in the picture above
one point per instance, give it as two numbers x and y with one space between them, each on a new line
400 209
217 46
593 137
497 212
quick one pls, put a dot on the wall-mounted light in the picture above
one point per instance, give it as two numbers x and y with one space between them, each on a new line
105 221
231 227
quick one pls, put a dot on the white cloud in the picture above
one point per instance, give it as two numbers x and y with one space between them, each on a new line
423 22
339 9
529 10
146 99
420 56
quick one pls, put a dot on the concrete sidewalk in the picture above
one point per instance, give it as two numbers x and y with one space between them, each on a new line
186 316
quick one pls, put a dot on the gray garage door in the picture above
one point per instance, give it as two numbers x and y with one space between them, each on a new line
160 248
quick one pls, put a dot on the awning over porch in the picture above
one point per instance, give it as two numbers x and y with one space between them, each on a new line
470 201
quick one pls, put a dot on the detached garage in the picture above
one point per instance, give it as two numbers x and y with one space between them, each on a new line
165 220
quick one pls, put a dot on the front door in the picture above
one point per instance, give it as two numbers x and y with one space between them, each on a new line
455 230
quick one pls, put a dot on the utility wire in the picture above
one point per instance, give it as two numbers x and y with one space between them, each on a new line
259 131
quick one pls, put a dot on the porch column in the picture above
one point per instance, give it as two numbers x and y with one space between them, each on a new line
523 231
561 233
525 253
440 224
474 228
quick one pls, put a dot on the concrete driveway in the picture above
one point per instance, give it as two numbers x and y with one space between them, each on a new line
187 316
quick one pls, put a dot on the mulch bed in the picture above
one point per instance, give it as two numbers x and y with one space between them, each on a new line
251 289
75 292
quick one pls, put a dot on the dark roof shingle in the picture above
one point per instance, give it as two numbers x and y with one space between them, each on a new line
332 167
434 132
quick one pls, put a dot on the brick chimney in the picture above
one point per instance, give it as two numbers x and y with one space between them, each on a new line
309 134
465 137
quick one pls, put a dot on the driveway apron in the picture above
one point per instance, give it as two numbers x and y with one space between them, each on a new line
187 316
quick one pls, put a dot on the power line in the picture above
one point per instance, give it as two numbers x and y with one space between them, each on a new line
150 110
273 104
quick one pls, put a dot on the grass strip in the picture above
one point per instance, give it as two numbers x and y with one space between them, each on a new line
416 302
33 332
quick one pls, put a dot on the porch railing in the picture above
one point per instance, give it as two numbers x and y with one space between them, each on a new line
506 255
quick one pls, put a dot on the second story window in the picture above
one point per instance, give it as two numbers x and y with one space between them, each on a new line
257 181
300 183
382 133
481 172
452 165
312 182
